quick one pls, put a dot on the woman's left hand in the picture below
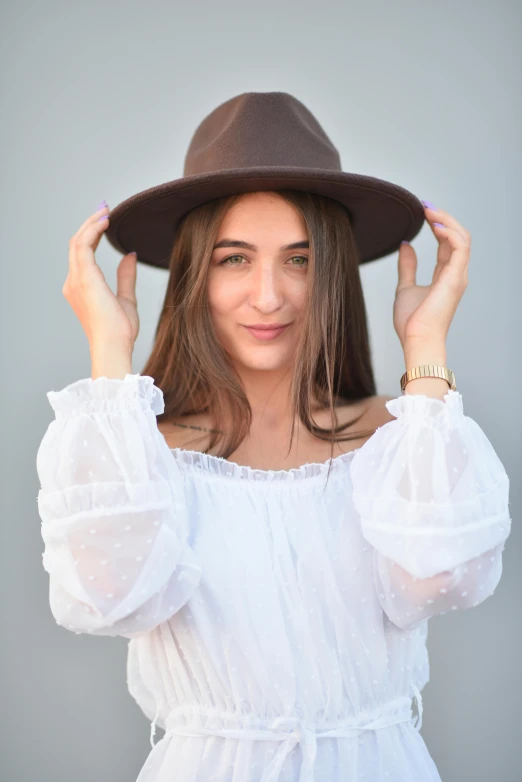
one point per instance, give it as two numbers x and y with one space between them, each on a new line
423 313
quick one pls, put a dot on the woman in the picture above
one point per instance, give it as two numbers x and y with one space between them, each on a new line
273 567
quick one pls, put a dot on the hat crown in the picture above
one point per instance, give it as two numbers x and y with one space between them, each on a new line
260 129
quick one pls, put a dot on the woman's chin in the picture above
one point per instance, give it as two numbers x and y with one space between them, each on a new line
263 360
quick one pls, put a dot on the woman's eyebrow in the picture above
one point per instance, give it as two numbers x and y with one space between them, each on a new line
304 245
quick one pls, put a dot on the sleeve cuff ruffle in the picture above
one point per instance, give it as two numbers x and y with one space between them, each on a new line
448 412
106 394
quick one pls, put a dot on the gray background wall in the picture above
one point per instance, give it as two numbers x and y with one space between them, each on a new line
99 100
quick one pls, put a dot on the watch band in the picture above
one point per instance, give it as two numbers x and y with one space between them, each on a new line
429 370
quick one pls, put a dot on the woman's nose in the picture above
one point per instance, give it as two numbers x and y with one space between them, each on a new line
266 286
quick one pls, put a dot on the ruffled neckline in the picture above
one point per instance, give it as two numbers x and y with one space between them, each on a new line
217 466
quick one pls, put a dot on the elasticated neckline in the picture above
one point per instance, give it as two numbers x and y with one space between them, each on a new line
211 465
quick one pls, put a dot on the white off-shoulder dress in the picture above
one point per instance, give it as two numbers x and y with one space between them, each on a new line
277 619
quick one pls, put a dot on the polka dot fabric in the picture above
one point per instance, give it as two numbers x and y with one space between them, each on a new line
277 619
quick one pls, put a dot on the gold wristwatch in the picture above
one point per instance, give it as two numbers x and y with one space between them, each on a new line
429 370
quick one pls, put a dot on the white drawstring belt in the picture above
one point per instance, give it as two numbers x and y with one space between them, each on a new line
291 730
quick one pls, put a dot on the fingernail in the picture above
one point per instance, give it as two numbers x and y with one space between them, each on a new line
428 204
133 253
439 224
404 242
104 217
101 205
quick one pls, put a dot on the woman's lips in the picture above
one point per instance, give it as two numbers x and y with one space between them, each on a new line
266 334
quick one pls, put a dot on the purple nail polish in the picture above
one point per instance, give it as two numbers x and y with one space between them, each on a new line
101 205
439 224
428 204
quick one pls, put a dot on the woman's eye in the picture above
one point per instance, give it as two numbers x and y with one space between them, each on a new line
229 258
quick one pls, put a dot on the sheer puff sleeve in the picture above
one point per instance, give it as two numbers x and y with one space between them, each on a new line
114 522
433 501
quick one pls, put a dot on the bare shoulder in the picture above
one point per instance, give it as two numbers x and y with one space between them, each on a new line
366 414
188 435
373 410
380 413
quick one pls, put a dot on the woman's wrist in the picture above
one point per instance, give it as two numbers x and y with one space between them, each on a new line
110 361
421 355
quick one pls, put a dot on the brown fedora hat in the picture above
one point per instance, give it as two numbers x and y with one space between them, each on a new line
263 141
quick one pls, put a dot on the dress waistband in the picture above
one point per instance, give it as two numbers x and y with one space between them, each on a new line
290 730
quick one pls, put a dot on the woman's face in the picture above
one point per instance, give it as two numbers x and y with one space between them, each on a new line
262 283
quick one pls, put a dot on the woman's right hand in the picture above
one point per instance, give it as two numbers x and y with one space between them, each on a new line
107 320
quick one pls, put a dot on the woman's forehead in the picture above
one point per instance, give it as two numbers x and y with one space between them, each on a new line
266 215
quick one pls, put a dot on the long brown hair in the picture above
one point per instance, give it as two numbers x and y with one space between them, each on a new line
333 361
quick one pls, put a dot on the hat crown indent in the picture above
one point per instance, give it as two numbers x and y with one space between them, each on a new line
260 129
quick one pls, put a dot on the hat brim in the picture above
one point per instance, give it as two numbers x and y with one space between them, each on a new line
383 214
